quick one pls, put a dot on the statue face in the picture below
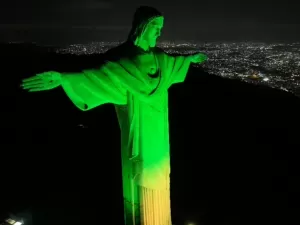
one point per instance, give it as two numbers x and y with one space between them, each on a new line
153 31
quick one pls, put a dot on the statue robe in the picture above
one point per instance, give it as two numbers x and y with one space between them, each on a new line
142 110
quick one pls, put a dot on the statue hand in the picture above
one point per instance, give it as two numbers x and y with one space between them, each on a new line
198 58
42 82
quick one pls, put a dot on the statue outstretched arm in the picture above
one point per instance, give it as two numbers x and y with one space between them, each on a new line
193 58
85 90
197 58
177 65
93 87
42 82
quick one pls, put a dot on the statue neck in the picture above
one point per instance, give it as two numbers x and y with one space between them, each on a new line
143 44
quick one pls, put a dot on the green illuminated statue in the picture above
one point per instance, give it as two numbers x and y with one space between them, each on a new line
135 78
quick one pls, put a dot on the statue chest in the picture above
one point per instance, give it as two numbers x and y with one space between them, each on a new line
148 64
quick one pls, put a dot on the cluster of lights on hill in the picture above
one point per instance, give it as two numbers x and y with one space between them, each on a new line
10 221
275 65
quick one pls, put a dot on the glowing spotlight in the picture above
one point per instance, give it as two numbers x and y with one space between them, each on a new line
190 223
11 221
18 223
266 79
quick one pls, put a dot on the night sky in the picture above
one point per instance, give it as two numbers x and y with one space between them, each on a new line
93 20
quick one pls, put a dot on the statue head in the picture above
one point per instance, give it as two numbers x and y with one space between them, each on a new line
146 27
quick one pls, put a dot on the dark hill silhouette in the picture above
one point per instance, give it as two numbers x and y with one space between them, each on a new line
233 145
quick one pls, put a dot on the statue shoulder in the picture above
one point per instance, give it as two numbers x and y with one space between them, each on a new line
115 53
159 50
121 51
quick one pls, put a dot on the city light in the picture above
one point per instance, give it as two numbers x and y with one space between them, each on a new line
10 221
18 223
274 65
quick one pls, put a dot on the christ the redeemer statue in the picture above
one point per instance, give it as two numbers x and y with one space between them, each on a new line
135 78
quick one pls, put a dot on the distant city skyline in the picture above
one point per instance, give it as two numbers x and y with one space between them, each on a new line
273 65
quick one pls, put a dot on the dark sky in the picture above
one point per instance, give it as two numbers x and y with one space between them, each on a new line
86 20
